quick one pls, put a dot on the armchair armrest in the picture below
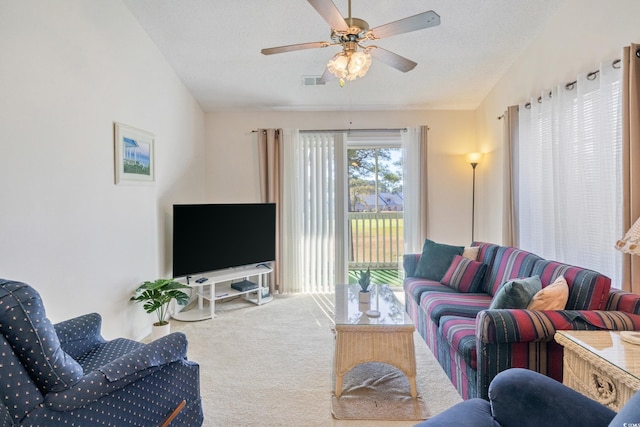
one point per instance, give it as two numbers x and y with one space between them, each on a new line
121 372
520 397
78 335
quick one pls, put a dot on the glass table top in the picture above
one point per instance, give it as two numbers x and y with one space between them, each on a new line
608 346
349 311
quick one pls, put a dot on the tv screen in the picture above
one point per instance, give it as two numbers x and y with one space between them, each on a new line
209 237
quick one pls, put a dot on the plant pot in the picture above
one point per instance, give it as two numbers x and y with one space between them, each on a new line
159 331
364 297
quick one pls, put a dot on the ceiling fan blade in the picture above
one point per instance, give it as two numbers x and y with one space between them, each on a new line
392 59
329 11
406 25
293 47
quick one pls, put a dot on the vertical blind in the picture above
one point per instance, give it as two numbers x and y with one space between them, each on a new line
570 173
311 216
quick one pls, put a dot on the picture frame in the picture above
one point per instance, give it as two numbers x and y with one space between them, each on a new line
134 155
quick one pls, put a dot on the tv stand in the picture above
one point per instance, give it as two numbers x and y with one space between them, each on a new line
213 290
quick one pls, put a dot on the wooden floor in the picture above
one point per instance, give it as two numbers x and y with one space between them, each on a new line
389 277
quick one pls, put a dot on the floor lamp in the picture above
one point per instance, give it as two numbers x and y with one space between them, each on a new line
473 159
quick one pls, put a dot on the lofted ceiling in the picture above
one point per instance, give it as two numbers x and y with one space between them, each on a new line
214 47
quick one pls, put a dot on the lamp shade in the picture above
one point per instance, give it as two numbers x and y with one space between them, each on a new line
350 64
630 243
474 158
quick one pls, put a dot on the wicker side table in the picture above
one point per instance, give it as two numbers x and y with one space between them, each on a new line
600 366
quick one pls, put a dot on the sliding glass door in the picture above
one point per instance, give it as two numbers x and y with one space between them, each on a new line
343 209
375 223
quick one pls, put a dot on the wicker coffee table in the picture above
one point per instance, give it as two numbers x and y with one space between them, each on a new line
600 365
361 338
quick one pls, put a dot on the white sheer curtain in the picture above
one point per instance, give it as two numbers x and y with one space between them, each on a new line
414 191
309 217
570 188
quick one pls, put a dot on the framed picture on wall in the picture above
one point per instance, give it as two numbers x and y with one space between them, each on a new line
133 155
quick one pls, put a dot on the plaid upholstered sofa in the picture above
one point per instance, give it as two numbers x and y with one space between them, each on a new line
68 375
474 343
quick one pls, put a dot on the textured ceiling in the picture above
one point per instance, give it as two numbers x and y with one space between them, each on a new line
214 47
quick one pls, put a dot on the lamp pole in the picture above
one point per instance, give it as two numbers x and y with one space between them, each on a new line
473 159
473 200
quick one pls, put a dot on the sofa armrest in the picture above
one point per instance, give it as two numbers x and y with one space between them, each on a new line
524 339
511 326
409 264
620 300
121 372
78 335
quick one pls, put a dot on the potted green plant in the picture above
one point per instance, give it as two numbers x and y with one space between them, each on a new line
364 279
156 297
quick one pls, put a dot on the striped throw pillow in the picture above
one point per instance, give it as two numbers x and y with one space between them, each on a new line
464 275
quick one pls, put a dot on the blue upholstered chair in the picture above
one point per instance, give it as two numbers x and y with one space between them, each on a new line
67 374
523 398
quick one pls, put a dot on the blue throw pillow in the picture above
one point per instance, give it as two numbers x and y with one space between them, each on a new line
436 259
516 293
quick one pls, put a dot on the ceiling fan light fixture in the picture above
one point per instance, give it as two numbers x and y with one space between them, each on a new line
350 65
338 65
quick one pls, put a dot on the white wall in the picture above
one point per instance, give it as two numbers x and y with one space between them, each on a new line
582 34
232 157
68 70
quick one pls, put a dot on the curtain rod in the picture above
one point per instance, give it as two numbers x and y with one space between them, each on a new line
350 130
571 85
356 130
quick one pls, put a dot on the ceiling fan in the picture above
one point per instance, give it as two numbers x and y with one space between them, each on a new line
352 34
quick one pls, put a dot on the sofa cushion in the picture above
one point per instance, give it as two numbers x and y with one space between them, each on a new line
24 324
552 297
437 304
460 333
107 352
516 293
509 263
436 259
464 274
416 286
588 290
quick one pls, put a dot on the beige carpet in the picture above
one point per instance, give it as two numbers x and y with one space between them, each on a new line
271 365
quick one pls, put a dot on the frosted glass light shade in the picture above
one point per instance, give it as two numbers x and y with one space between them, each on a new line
349 66
474 158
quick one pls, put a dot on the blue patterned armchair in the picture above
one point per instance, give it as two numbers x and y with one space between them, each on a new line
67 374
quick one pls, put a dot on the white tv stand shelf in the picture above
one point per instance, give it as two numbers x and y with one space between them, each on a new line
214 289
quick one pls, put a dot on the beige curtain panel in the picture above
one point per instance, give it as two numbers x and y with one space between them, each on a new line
270 169
424 181
510 139
631 157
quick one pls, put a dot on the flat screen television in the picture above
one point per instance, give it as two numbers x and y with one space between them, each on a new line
210 237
